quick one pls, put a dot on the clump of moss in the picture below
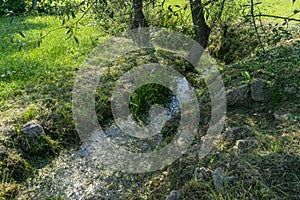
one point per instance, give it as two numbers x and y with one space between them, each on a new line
14 168
8 190
147 95
31 145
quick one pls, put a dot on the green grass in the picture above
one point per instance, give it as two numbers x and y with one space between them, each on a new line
38 75
280 7
56 56
36 83
271 7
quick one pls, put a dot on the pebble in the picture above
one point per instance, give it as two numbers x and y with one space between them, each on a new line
174 195
2 150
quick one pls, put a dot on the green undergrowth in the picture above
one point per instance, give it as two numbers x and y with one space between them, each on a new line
271 169
233 36
36 84
279 66
149 94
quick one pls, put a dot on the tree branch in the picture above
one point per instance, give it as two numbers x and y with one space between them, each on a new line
278 17
255 27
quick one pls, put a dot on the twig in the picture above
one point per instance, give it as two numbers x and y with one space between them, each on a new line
209 2
278 17
255 27
66 26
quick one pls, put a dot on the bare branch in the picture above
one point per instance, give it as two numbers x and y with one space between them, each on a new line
255 27
278 17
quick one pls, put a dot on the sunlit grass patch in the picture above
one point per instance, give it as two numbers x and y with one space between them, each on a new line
36 83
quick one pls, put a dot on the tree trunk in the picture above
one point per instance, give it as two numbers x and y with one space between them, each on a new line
141 36
201 30
34 4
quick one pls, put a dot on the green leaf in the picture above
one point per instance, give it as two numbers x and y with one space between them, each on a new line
246 75
73 14
69 30
185 7
76 40
170 8
22 34
296 11
12 20
178 6
39 43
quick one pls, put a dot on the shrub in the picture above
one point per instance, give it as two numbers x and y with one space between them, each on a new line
16 6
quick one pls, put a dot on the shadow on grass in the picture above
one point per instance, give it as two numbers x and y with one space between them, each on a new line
12 31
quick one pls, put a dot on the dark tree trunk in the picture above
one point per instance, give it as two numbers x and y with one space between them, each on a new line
141 36
34 4
201 30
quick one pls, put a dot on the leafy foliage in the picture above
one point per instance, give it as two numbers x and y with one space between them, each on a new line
17 6
37 82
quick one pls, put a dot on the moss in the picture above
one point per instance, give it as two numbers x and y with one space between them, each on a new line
31 145
8 190
14 168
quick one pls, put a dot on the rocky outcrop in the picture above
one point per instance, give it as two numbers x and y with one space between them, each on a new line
33 127
219 180
259 90
174 195
244 146
2 150
237 95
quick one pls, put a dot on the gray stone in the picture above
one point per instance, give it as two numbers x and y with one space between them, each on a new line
2 150
236 133
245 145
202 173
83 152
33 128
10 130
258 90
95 198
290 90
174 195
282 116
197 174
219 180
237 95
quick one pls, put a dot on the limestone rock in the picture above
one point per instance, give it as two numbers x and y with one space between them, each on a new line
282 116
219 180
236 133
202 172
2 150
237 95
95 198
245 145
290 90
33 127
258 90
174 195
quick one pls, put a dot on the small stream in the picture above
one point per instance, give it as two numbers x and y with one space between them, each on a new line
76 175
